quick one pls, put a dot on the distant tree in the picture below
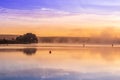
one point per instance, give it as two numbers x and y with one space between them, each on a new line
4 41
27 38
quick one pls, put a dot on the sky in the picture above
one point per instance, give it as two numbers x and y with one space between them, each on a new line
81 18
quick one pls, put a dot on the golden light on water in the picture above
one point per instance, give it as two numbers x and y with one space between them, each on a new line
71 59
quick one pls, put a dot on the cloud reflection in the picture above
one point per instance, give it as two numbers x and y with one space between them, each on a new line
55 74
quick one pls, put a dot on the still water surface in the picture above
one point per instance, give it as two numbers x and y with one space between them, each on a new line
65 62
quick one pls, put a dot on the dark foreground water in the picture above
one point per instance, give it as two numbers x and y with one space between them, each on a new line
65 62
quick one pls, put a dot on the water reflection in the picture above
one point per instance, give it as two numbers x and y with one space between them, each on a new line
89 63
108 54
29 51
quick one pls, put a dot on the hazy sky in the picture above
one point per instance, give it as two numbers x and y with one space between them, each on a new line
60 17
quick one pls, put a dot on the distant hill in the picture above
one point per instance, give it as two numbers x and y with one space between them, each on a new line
62 39
89 40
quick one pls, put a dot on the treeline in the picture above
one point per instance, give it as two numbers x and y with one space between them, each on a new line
23 39
32 38
6 41
79 40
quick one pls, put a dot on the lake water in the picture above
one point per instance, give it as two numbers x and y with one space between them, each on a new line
65 62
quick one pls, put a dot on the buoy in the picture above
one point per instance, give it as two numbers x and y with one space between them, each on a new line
50 52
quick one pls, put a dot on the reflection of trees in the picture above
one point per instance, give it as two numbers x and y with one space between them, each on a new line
29 51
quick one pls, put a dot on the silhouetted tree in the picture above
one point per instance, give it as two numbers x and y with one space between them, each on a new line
27 38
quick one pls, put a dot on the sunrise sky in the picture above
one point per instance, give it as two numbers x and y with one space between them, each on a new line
60 17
